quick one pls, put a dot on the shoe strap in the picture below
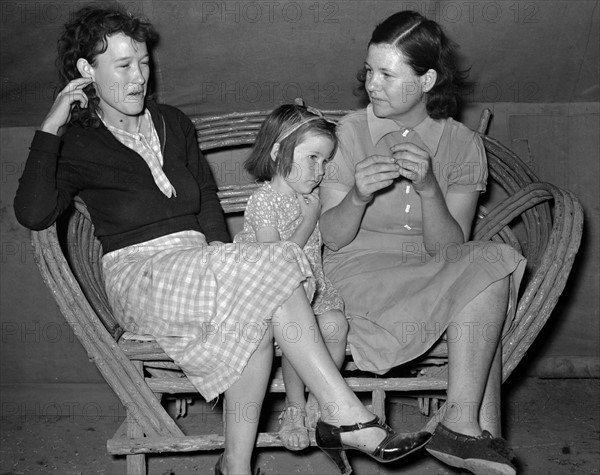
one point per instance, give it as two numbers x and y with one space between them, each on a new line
283 413
361 425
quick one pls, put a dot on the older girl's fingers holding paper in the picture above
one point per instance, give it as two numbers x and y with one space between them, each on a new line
373 174
415 165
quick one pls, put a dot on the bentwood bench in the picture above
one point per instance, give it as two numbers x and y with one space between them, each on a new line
541 220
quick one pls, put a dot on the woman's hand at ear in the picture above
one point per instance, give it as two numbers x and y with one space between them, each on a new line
60 112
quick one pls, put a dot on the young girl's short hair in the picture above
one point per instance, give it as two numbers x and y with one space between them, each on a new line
287 125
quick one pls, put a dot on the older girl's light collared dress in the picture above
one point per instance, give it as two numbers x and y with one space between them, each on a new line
399 299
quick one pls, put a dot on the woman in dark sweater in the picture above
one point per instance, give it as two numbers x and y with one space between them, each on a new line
215 308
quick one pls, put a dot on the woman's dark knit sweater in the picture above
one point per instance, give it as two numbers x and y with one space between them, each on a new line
117 186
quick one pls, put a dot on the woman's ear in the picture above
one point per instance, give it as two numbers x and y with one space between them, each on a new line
428 80
274 151
85 68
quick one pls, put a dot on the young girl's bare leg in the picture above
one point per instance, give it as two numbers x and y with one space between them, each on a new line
292 428
311 360
333 327
334 331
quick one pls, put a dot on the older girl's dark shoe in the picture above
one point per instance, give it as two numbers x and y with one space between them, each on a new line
393 447
480 455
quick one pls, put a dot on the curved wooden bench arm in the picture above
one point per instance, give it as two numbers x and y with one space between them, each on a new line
549 278
115 367
90 277
509 171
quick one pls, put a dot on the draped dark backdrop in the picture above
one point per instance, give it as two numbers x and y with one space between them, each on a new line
217 56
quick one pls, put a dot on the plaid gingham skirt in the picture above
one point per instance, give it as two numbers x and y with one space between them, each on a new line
207 306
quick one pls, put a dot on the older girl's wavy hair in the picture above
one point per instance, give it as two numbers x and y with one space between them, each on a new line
287 125
85 36
425 46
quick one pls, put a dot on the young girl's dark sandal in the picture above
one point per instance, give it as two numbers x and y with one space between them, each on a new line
393 447
480 455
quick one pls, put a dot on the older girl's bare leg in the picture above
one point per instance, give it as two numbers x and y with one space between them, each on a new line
472 343
490 413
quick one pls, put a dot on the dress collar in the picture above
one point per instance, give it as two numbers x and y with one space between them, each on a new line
429 130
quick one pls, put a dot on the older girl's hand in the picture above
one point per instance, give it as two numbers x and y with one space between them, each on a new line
60 112
310 207
373 174
415 165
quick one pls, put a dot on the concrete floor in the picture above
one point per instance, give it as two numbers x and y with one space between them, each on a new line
553 426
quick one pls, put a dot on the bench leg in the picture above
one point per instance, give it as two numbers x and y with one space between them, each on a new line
136 463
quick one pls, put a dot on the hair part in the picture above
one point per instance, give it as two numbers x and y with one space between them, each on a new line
261 164
85 36
425 46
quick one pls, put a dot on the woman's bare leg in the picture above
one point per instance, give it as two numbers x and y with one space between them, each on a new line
242 406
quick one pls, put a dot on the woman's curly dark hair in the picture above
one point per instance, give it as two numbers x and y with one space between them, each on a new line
425 45
85 36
